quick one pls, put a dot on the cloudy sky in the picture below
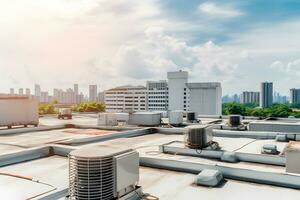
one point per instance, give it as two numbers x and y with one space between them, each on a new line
114 42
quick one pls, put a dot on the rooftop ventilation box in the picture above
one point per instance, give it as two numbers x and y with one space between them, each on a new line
144 118
102 173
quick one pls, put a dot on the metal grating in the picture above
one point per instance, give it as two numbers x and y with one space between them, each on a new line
91 178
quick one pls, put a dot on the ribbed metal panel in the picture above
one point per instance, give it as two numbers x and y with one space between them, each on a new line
91 178
195 136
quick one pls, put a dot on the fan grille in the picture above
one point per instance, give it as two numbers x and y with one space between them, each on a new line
91 178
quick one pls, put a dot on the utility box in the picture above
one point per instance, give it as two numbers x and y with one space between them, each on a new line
293 157
144 118
18 110
107 119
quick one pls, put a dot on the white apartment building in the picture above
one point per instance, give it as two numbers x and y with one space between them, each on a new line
157 95
125 99
205 98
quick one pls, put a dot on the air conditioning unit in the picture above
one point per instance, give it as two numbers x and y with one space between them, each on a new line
196 136
103 173
235 120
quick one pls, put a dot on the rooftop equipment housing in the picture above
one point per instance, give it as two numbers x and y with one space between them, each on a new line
191 117
107 119
102 173
196 136
18 110
235 120
144 118
175 117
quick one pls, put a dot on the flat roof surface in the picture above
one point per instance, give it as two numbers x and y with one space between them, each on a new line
10 143
165 184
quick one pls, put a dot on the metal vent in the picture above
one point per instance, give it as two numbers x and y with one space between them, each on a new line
92 174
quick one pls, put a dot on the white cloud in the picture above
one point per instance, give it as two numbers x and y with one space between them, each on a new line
159 52
219 11
291 68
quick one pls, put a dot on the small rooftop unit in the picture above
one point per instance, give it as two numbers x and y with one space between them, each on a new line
196 136
103 173
175 117
235 120
144 118
191 117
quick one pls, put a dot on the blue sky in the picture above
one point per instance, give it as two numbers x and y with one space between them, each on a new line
111 43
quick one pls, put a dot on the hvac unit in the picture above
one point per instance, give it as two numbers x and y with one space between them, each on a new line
103 173
176 117
191 117
235 120
196 136
107 119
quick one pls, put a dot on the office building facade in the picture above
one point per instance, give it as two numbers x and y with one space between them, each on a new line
126 99
157 95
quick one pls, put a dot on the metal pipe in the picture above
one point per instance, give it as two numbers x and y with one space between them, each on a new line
214 154
250 134
262 177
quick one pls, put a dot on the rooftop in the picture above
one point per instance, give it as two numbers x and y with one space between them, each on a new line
41 154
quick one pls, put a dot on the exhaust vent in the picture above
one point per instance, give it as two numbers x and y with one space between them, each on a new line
93 173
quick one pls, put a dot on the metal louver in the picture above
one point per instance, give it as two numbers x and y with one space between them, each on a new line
92 174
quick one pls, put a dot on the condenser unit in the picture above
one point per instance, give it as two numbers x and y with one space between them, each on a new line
103 173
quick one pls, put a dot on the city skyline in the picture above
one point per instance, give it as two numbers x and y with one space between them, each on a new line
235 43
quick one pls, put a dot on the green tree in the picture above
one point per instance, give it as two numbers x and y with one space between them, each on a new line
90 107
234 108
46 109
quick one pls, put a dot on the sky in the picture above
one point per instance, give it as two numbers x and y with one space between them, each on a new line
57 43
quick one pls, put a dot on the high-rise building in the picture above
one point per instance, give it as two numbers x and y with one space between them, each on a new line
11 91
76 89
93 93
100 97
250 97
266 94
157 95
177 93
205 98
44 98
294 96
27 91
21 91
37 90
125 99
